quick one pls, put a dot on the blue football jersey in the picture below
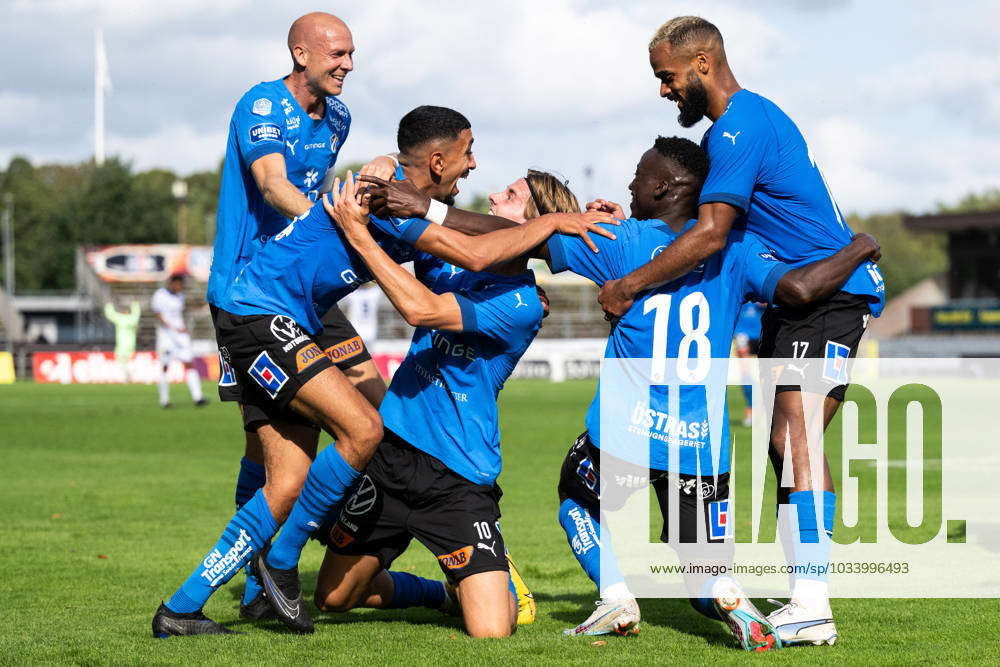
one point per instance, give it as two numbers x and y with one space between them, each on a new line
690 320
760 163
267 120
443 398
309 266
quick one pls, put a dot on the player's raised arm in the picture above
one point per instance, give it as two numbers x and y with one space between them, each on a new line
418 305
691 249
821 279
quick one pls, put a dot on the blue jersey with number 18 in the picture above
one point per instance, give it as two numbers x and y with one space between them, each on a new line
268 119
685 322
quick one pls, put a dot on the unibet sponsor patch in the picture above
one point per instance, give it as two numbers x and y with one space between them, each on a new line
342 351
307 356
457 559
265 132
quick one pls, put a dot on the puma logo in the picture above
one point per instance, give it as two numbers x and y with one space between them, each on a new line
519 301
482 545
732 137
291 145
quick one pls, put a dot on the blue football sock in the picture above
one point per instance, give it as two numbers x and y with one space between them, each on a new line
812 550
413 591
248 531
250 479
329 478
747 394
584 535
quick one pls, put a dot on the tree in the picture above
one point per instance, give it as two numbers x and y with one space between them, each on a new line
907 257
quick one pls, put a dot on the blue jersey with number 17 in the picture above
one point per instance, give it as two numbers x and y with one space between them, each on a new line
760 164
268 119
690 320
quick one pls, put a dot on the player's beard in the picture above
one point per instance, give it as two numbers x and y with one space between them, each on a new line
695 102
448 199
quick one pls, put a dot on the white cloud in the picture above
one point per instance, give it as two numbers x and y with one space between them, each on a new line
560 84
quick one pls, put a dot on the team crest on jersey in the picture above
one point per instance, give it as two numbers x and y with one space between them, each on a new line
718 519
265 132
457 559
308 356
262 106
345 350
268 374
835 362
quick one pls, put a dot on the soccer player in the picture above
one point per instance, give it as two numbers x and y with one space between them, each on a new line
764 178
126 324
746 344
284 139
267 326
434 475
430 428
173 340
691 318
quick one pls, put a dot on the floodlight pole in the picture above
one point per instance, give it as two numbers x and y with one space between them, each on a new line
8 265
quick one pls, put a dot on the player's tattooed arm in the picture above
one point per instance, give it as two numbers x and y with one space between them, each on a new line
691 248
279 193
418 305
821 279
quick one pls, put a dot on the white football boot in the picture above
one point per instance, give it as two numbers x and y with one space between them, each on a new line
798 625
611 616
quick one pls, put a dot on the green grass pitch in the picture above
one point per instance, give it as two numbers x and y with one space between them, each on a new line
109 501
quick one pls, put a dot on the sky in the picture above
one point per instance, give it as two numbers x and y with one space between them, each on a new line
899 101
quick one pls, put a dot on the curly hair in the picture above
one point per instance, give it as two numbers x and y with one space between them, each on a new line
689 155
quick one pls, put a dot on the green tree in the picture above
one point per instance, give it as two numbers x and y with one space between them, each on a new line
907 257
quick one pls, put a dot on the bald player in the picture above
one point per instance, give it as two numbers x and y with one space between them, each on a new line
284 138
763 178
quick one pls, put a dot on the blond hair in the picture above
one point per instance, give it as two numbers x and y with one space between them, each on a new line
548 195
689 32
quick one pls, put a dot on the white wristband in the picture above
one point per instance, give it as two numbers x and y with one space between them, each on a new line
436 212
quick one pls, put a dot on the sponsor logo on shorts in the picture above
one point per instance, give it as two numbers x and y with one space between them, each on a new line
265 132
835 362
363 499
718 519
227 376
587 473
457 559
339 537
268 374
262 106
491 547
687 487
345 350
307 356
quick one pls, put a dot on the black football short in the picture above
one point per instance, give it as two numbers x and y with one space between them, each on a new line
271 357
406 493
338 340
580 479
830 331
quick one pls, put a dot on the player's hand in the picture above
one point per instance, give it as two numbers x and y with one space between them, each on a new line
607 207
615 299
583 224
347 209
381 167
544 298
399 199
870 244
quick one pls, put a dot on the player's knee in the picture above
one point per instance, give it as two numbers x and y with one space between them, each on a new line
337 600
365 433
491 630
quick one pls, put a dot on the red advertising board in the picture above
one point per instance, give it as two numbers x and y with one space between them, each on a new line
102 368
